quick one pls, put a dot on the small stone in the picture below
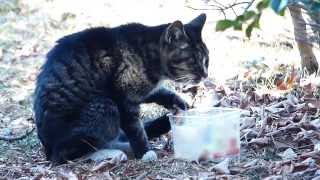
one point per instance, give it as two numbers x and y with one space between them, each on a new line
316 123
149 156
6 132
288 154
1 53
317 147
114 155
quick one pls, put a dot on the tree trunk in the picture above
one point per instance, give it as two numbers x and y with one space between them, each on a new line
307 36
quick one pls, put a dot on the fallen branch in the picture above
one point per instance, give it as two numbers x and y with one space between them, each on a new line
27 133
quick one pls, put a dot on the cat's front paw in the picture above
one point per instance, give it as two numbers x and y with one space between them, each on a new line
179 103
149 156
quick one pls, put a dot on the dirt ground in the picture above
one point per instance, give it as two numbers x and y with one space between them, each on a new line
29 29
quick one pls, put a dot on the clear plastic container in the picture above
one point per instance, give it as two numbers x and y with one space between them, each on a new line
210 134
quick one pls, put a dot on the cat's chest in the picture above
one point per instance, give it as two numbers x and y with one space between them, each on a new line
132 80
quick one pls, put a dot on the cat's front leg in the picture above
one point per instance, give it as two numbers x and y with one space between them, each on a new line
168 99
136 134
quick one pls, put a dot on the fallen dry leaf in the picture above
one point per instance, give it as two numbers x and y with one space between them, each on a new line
222 167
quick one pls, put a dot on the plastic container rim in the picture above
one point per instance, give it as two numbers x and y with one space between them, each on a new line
228 111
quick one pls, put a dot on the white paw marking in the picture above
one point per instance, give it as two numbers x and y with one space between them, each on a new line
149 156
114 155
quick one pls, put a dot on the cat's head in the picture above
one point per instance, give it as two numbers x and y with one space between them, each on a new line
184 56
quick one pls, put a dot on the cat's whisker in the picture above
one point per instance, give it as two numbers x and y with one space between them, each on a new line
179 78
184 77
187 82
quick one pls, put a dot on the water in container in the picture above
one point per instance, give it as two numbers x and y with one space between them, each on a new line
211 134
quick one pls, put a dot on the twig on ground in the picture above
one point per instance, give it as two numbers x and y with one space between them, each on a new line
10 139
142 176
264 118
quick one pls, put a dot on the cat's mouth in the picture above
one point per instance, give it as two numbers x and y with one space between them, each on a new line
190 81
197 80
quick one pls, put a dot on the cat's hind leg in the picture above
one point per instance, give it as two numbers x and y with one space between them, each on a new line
154 128
157 127
98 124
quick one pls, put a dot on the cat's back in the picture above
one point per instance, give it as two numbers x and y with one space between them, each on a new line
80 64
69 75
91 42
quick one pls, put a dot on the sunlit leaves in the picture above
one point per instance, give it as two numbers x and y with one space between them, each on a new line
262 5
224 24
254 24
250 18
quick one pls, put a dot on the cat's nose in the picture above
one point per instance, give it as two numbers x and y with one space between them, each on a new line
205 75
203 79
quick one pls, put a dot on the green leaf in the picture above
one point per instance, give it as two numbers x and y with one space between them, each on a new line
282 12
257 21
240 18
254 24
237 25
263 5
248 15
224 24
278 5
249 29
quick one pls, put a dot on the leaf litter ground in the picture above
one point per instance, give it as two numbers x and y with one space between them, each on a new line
280 136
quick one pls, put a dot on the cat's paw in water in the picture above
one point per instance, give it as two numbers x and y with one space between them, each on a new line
179 103
114 155
149 156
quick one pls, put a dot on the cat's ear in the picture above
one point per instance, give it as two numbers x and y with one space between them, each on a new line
199 21
175 32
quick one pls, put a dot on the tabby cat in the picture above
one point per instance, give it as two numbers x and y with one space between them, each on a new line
89 90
